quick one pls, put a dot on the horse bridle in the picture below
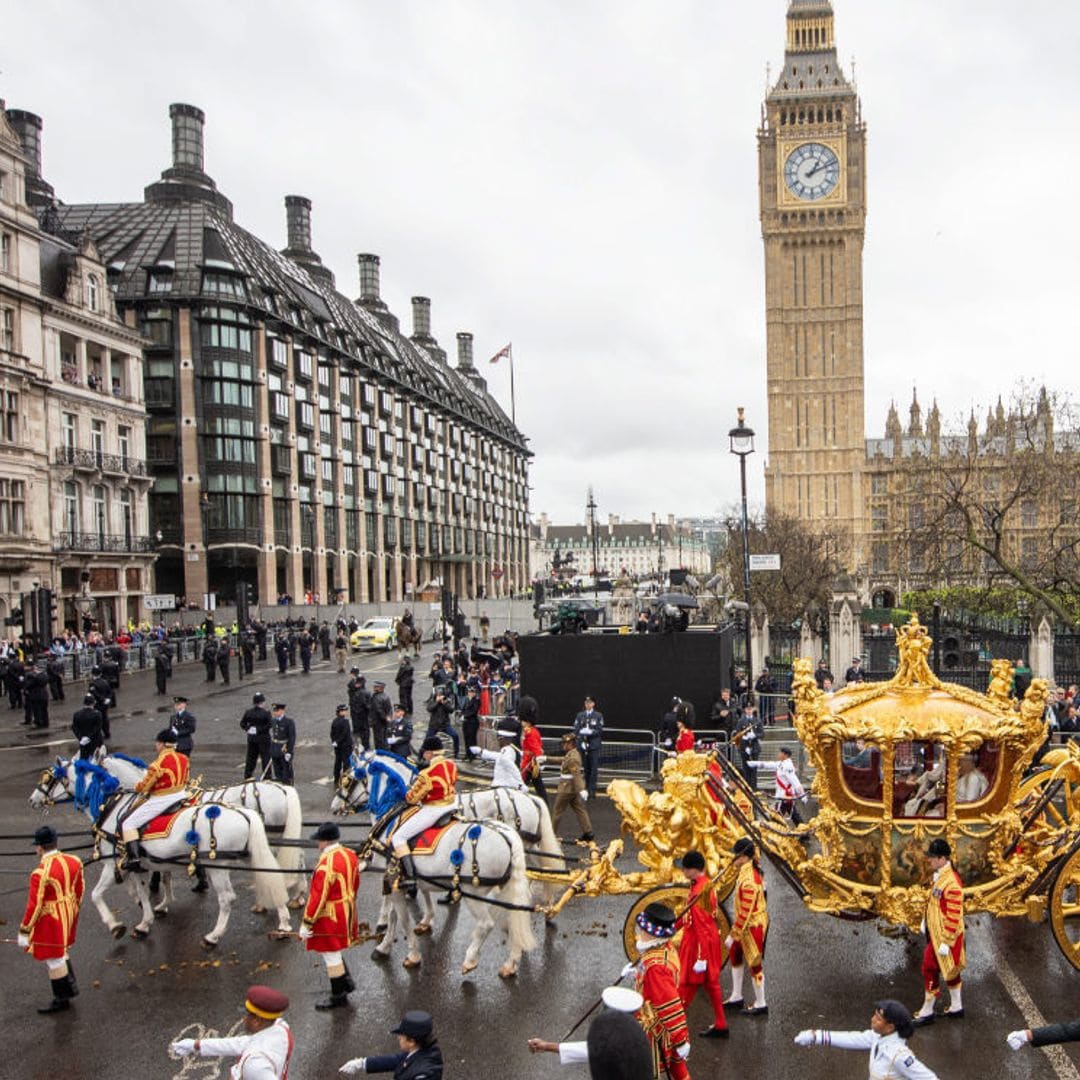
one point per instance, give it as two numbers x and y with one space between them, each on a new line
345 788
49 777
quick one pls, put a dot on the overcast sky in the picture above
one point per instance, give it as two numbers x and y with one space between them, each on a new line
580 178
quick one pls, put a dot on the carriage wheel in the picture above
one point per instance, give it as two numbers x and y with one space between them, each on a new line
675 896
1063 809
1065 908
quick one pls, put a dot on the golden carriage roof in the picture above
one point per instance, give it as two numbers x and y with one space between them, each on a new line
916 705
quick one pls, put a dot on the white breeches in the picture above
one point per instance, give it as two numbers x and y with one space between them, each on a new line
416 823
155 805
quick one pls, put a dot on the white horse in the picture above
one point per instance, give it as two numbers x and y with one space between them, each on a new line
277 804
208 829
379 779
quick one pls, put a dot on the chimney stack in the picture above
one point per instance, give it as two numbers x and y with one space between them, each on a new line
27 126
298 222
187 136
369 278
464 351
421 318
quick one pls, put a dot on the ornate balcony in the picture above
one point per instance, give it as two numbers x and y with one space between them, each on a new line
119 543
95 461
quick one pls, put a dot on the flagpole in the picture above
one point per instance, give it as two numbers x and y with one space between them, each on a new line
513 410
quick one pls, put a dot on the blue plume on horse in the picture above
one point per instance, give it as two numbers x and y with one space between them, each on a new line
137 762
213 812
191 837
474 832
93 785
457 857
386 785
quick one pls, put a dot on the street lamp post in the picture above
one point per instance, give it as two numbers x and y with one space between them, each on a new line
742 445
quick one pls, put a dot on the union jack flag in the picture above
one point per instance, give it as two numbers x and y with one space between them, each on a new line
504 351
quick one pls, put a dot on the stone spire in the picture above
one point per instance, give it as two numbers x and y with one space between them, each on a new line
973 434
933 427
915 428
892 424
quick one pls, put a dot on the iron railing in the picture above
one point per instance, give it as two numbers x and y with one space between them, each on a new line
103 542
100 462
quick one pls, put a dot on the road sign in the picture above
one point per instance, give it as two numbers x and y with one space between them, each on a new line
764 562
160 602
496 572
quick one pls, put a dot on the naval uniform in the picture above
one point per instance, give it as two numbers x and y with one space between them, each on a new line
890 1057
262 1056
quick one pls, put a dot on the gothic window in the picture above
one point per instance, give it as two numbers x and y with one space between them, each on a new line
92 290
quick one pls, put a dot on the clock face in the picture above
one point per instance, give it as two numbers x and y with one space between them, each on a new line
811 171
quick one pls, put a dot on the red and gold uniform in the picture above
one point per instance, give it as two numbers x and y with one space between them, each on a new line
685 741
944 926
163 786
331 907
433 793
751 925
701 945
52 906
532 747
662 1016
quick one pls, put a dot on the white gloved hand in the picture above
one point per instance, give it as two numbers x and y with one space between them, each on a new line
728 942
356 1065
943 950
23 941
182 1048
701 965
584 796
305 932
474 750
288 757
85 740
804 1038
629 969
541 759
1017 1039
253 731
804 799
683 1050
585 731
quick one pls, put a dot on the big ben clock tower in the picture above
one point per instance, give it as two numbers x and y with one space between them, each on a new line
812 166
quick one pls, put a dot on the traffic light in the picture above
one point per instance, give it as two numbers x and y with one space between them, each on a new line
951 652
15 618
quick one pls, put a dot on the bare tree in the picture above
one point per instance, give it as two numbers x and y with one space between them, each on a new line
999 506
808 563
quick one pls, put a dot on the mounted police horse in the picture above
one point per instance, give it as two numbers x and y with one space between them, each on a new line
204 830
484 859
408 637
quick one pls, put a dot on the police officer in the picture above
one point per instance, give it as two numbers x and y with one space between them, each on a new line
324 640
359 706
209 657
37 698
162 666
283 743
260 637
400 732
223 651
404 679
86 724
103 694
306 643
379 713
341 737
292 647
247 649
54 667
183 726
256 722
589 729
281 651
16 672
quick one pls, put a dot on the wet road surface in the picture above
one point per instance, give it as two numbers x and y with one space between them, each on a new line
137 996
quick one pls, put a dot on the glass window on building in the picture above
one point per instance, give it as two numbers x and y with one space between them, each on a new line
127 521
7 329
12 507
93 292
216 283
99 509
9 416
7 249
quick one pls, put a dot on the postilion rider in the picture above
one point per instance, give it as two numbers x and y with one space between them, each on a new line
48 925
330 920
163 786
944 956
657 974
433 795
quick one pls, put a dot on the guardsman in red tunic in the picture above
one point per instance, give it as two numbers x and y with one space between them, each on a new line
944 956
47 929
164 785
433 794
657 972
700 955
330 922
746 942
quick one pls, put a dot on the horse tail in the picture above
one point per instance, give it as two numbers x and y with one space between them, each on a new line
549 842
291 857
518 891
270 890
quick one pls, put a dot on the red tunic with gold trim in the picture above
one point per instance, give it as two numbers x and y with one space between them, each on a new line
167 775
331 905
685 741
52 907
751 924
944 926
700 938
662 1015
435 785
532 747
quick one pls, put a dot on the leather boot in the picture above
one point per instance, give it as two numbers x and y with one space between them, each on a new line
201 882
73 986
132 853
61 1000
338 995
347 979
407 878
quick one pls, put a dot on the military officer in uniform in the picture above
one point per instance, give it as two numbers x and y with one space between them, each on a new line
399 734
507 758
359 705
890 1028
281 651
86 724
341 740
209 658
183 726
162 666
223 654
103 692
330 924
700 955
379 713
944 956
283 743
264 1052
589 729
47 930
55 669
256 722
164 785
746 942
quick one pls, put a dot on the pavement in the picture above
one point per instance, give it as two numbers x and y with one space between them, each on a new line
137 996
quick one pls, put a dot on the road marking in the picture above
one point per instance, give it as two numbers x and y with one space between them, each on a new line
36 745
1065 1069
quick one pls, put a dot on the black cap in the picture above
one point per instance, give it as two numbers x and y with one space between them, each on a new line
398 705
165 735
744 846
258 698
279 705
939 849
327 831
432 742
378 683
44 836
343 707
95 670
897 1014
693 860
415 1025
89 699
354 671
179 699
784 750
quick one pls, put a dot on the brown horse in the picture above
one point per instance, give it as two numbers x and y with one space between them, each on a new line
406 636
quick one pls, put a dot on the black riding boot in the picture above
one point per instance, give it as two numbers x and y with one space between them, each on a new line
347 979
132 853
407 877
73 986
339 994
62 996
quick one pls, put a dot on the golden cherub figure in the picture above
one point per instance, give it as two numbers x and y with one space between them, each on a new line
1001 681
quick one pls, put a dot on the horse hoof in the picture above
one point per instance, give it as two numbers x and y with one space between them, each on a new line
279 935
508 971
138 933
118 931
209 943
421 929
381 928
379 956
410 962
258 909
296 904
467 967
162 912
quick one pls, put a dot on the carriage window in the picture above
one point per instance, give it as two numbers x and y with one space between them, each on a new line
976 773
861 768
919 775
